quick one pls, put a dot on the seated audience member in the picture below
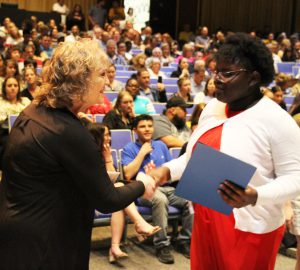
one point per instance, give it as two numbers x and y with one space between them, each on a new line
184 89
171 126
101 134
74 35
115 58
141 104
175 49
122 50
30 63
157 94
186 34
156 53
194 119
111 83
141 156
166 58
11 69
182 69
209 92
154 69
278 96
10 103
198 80
203 41
46 49
121 116
188 53
210 64
139 62
31 79
14 36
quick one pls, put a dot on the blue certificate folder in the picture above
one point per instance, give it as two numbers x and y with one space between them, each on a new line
206 169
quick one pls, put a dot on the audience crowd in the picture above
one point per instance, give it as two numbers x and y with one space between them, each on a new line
150 74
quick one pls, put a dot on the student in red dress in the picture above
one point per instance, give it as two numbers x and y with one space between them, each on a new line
244 124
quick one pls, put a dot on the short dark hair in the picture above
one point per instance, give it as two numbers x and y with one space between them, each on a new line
29 61
139 73
139 118
249 52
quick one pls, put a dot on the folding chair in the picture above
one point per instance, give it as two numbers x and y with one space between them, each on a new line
120 137
99 118
286 67
11 120
111 95
174 151
159 107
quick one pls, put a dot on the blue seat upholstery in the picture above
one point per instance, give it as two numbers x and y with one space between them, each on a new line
289 99
165 81
159 107
120 137
123 79
125 73
168 69
286 67
99 118
11 120
175 152
111 95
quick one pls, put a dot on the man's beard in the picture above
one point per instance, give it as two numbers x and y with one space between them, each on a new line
178 122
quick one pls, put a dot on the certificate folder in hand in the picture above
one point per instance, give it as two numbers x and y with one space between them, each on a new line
206 169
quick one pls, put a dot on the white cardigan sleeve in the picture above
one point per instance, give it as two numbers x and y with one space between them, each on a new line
177 167
285 147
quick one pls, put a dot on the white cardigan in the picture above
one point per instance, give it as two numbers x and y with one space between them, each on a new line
269 139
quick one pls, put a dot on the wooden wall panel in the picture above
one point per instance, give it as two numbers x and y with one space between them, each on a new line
241 15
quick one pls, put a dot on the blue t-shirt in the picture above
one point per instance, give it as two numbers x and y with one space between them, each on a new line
159 155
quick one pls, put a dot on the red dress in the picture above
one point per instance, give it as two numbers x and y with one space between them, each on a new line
217 245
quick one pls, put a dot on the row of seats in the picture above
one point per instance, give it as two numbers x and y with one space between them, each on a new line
122 67
291 68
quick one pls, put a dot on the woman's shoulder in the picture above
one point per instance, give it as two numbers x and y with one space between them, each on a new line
25 101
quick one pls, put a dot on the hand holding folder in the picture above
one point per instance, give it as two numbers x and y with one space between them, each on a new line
206 171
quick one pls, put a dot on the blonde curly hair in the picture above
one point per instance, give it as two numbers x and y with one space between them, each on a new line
67 76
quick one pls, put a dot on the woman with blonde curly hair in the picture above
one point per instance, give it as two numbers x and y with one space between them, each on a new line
53 174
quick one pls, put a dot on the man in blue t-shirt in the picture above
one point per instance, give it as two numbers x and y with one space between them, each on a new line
141 156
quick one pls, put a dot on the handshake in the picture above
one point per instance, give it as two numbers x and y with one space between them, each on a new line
154 178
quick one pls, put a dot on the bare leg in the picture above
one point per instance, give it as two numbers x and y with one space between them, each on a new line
117 224
141 225
297 267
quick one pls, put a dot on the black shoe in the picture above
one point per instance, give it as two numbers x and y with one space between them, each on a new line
164 255
184 249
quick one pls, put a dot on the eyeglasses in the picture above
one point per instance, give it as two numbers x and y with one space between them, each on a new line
227 76
133 85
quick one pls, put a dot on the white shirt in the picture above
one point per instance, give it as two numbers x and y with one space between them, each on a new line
268 138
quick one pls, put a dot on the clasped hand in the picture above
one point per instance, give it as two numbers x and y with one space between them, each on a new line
236 196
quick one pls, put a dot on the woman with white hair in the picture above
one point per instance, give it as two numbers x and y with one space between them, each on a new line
154 69
53 174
